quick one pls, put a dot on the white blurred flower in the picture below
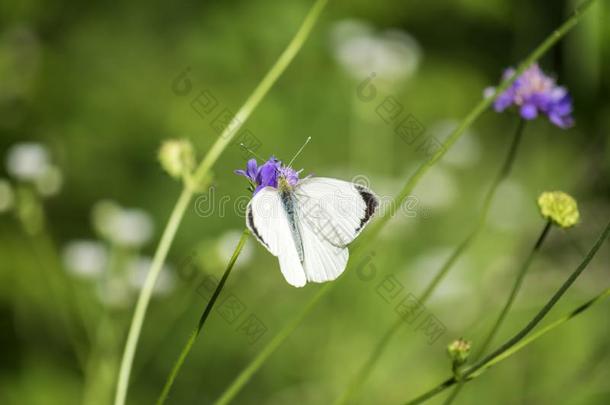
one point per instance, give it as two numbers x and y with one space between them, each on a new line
114 293
225 246
131 227
27 161
50 182
438 191
509 206
102 215
7 197
393 55
85 258
137 270
465 152
427 265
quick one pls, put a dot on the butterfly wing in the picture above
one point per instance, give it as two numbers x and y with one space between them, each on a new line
334 210
322 261
267 220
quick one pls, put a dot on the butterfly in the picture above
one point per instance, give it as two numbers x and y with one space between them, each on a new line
307 223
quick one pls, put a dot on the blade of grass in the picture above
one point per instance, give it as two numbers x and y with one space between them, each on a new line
204 316
201 173
243 377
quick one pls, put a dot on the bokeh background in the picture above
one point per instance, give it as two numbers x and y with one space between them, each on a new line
88 93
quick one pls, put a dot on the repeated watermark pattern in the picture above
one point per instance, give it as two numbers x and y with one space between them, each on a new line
406 305
231 308
221 119
213 204
391 111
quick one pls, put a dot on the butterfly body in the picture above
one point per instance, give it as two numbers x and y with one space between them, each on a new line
289 204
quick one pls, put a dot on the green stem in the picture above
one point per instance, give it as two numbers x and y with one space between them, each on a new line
509 302
502 174
536 335
368 366
515 343
375 228
145 294
201 173
515 289
204 316
268 350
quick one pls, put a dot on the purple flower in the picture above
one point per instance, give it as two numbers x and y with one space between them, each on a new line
268 174
535 93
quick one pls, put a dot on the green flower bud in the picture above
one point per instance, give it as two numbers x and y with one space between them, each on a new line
559 207
458 351
177 157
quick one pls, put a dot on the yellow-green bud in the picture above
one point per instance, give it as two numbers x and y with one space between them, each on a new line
458 351
559 207
177 157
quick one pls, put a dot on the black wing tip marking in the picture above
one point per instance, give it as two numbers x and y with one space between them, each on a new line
371 202
250 220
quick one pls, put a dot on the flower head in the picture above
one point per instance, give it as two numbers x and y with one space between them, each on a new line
535 93
393 55
267 174
459 350
177 157
27 161
559 207
126 227
137 270
85 258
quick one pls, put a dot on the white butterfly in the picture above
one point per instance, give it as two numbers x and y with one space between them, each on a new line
309 225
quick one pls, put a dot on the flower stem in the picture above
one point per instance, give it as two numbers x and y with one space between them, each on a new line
367 368
146 292
517 341
228 395
502 174
515 289
204 316
509 302
536 335
201 175
363 241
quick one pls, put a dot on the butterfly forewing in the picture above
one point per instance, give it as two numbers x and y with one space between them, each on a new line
333 209
267 220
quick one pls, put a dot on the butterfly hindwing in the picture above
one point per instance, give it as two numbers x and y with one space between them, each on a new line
323 261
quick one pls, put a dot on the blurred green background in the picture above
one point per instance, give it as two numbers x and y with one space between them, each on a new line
89 87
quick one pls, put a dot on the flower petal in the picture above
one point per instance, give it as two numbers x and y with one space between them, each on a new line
251 169
529 111
564 121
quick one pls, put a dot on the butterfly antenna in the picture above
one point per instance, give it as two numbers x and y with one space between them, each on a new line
251 151
299 151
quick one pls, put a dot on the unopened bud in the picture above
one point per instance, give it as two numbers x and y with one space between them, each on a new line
177 157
